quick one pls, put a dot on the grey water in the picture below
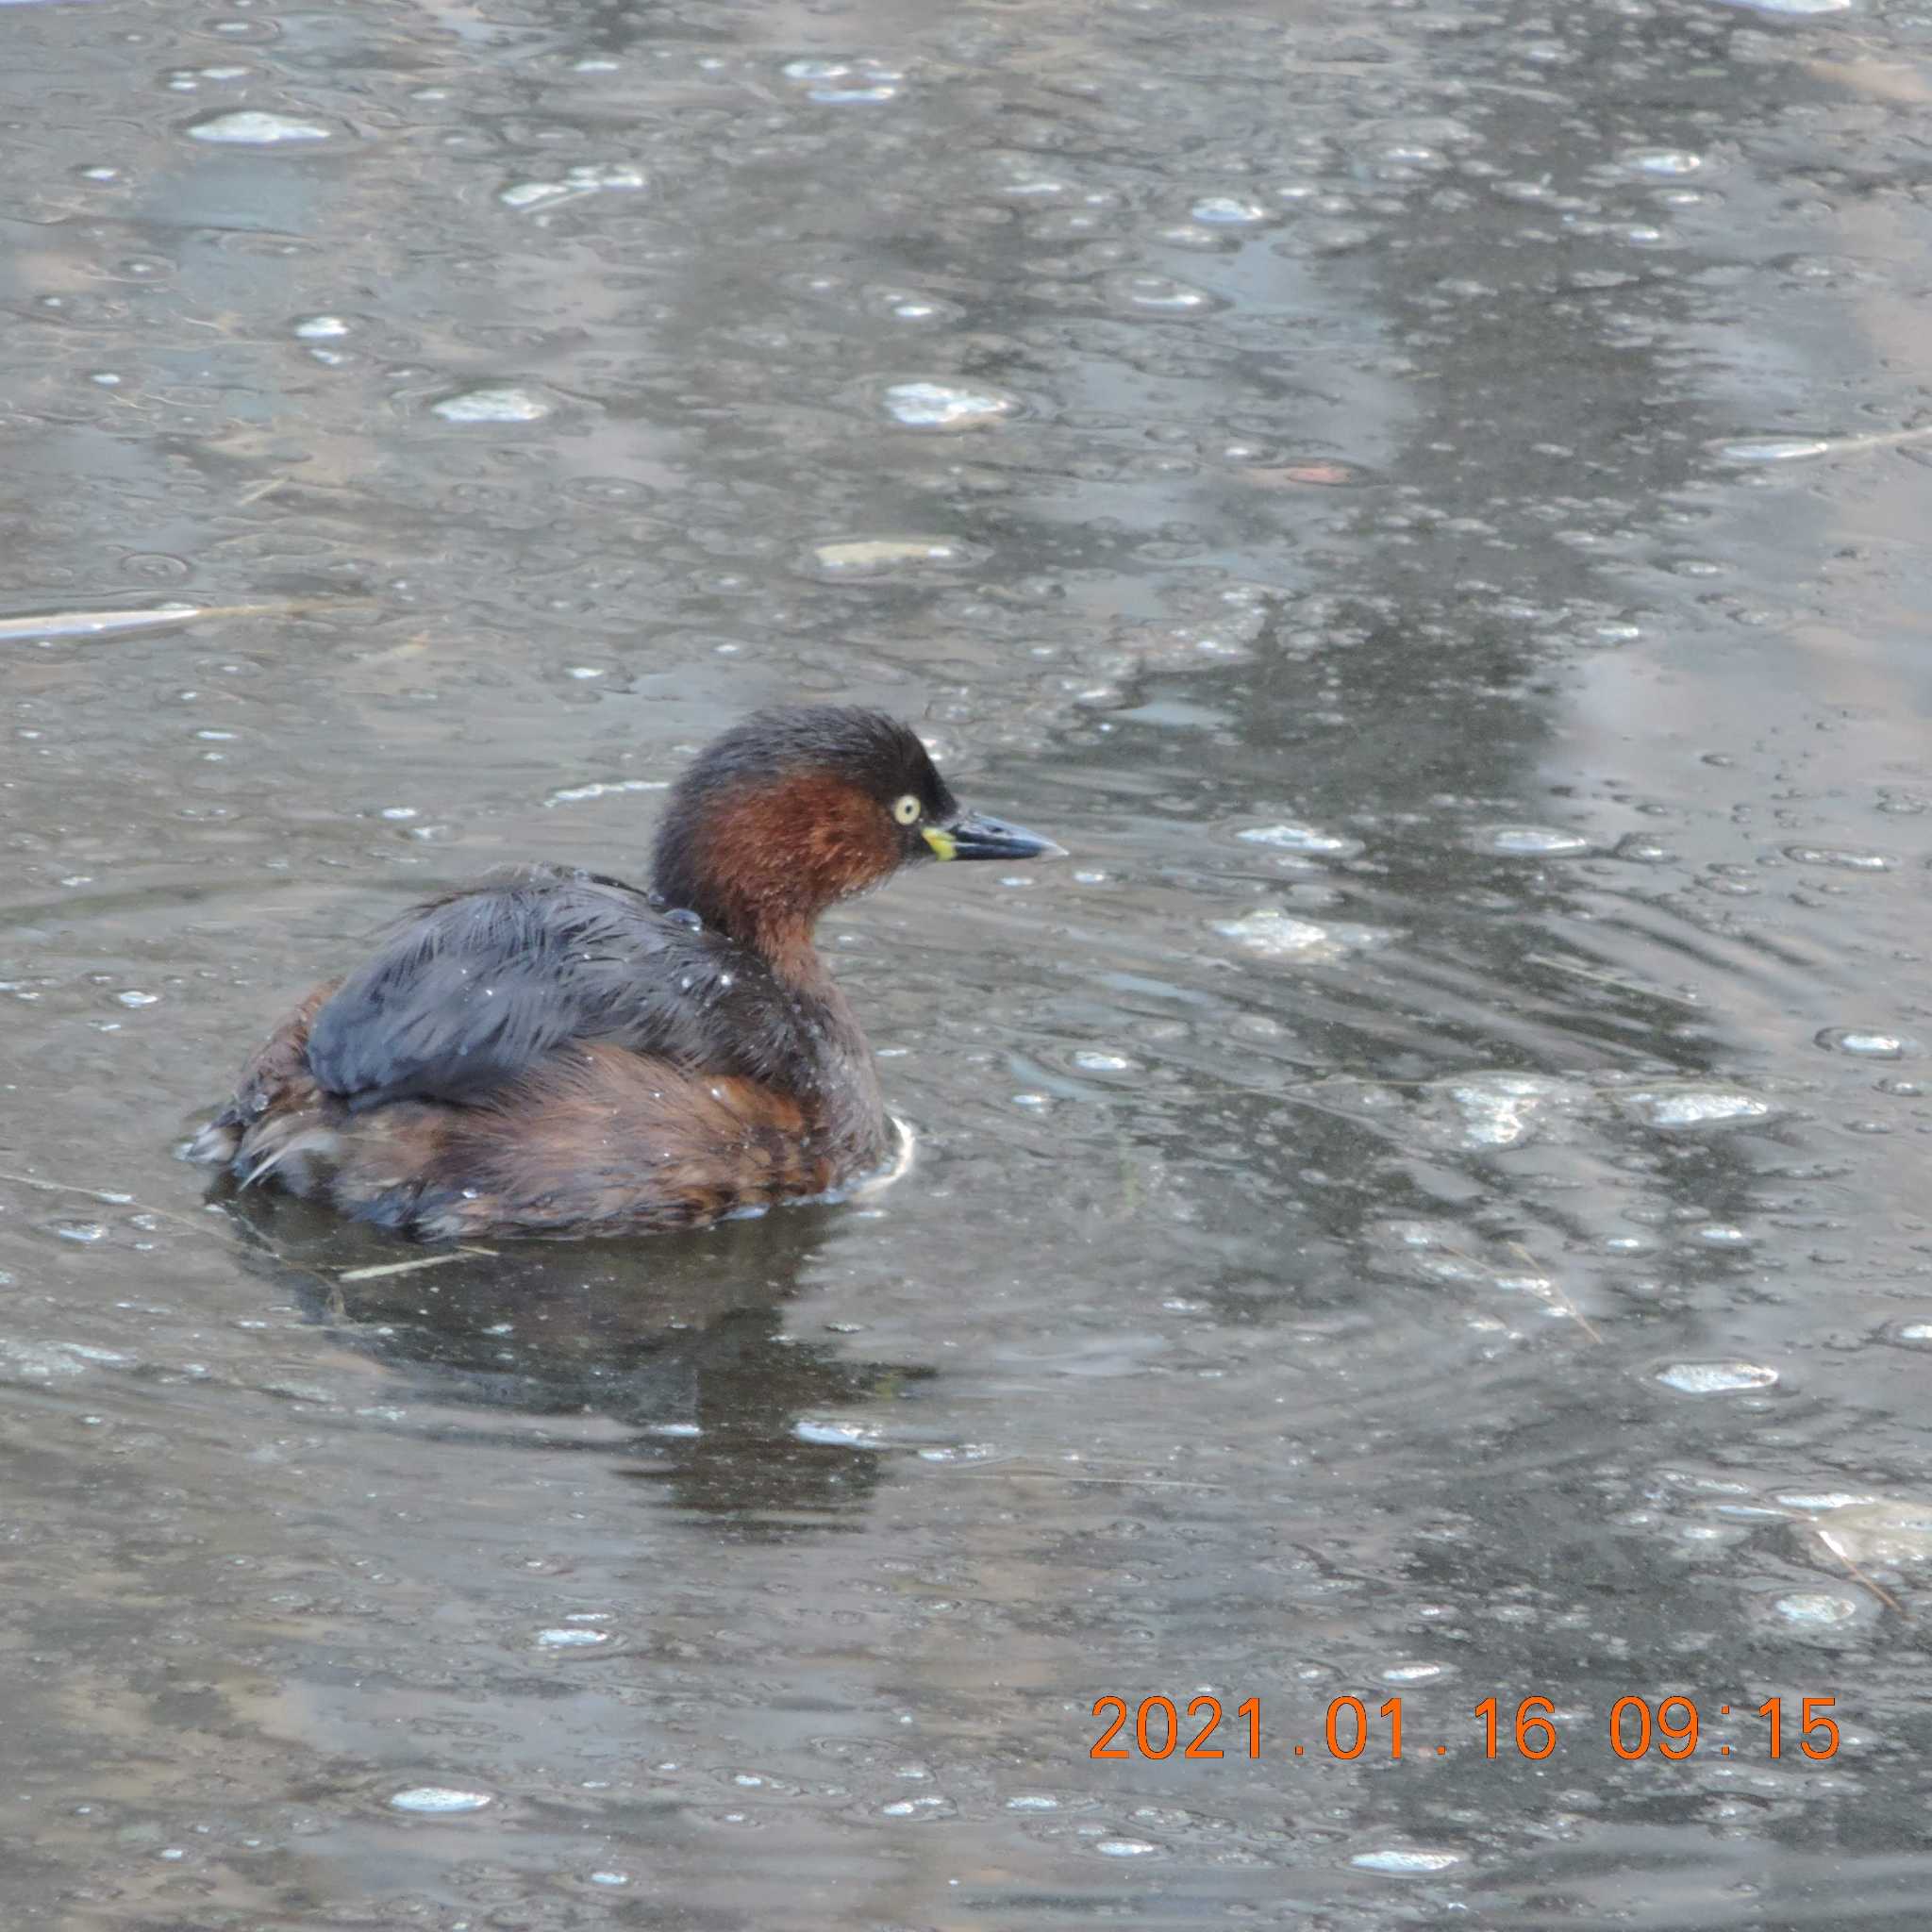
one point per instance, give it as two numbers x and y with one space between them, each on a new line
1427 1208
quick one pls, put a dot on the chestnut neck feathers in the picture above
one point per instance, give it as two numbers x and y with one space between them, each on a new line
788 813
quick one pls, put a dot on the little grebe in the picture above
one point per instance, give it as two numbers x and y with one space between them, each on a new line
555 1053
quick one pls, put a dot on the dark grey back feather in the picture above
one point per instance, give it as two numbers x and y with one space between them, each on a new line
472 990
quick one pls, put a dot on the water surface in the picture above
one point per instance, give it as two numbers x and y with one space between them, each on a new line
1429 505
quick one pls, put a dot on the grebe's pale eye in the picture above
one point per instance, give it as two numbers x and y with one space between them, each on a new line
907 808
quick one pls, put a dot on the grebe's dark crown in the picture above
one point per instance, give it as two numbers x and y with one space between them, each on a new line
868 749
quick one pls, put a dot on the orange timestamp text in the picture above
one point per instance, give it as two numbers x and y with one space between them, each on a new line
1636 1727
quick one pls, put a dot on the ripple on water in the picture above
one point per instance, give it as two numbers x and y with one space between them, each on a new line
1715 1378
1798 6
492 403
257 127
947 405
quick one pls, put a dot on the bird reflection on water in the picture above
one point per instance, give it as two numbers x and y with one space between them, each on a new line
680 1344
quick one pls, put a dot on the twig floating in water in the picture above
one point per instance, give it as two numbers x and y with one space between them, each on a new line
385 1268
1857 1576
107 1196
1557 1298
1054 1475
103 624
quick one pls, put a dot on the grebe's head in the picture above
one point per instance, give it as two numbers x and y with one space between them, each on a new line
794 810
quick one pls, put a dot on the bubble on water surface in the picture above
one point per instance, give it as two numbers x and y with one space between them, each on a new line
1773 449
440 1801
835 1432
862 556
1639 848
1529 842
604 787
571 1636
1715 1378
256 127
492 403
39 1363
1815 1609
1090 1061
945 406
898 303
611 1880
1662 160
924 1809
1141 295
1315 473
1867 1045
1687 1105
843 83
1846 858
312 329
1310 839
1227 210
1278 935
576 183
1406 1864
1125 1848
1796 7
1499 1109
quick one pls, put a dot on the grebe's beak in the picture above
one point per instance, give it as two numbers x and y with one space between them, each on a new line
973 835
